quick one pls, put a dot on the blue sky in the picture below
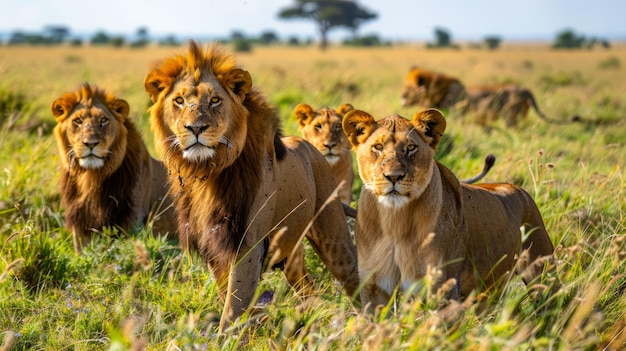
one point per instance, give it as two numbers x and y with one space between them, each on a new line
397 19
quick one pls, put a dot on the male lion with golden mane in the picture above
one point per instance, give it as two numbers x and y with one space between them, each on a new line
511 102
415 215
431 89
108 178
322 128
237 184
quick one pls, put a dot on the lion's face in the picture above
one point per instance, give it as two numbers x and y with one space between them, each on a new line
91 132
201 118
322 128
414 91
395 155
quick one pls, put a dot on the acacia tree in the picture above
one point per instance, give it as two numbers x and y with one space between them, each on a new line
328 14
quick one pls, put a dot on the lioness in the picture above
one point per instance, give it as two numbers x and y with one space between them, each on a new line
431 89
322 128
414 214
108 178
236 181
509 101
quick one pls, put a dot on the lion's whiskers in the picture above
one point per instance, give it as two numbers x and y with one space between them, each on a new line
71 156
224 140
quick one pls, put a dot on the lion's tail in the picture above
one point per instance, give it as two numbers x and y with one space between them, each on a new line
533 104
489 162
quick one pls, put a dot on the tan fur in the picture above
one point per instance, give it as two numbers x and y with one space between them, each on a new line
108 177
414 214
430 89
322 128
236 182
488 103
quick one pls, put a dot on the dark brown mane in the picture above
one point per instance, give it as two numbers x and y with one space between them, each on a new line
112 205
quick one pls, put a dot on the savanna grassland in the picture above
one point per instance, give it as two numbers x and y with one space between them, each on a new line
141 291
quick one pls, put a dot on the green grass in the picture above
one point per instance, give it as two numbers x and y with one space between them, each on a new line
134 290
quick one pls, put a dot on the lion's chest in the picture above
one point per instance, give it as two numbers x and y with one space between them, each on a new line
402 253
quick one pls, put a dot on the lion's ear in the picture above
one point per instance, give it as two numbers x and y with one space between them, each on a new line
345 108
357 126
304 113
155 82
431 123
237 80
120 108
62 107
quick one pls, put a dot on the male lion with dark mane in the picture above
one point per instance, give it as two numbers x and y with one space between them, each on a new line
108 178
237 183
415 215
431 89
322 128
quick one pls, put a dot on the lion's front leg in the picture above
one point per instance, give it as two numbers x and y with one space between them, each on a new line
242 283
81 239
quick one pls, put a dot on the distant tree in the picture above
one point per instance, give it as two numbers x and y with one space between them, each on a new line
142 38
17 37
268 37
567 39
236 35
169 40
492 42
293 41
328 15
57 34
100 38
118 41
242 45
366 40
76 42
442 37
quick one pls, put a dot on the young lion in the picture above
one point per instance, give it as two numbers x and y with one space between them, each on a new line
108 177
414 214
322 128
236 181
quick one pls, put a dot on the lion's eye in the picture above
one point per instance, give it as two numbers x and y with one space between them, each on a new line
215 101
338 126
179 100
411 148
318 126
78 121
378 147
104 121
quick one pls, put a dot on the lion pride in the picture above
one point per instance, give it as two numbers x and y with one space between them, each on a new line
244 194
322 128
108 178
415 215
431 89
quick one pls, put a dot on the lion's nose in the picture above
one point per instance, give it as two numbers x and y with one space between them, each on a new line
329 145
196 130
394 178
92 144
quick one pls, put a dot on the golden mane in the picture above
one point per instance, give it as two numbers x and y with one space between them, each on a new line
231 180
234 180
84 95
